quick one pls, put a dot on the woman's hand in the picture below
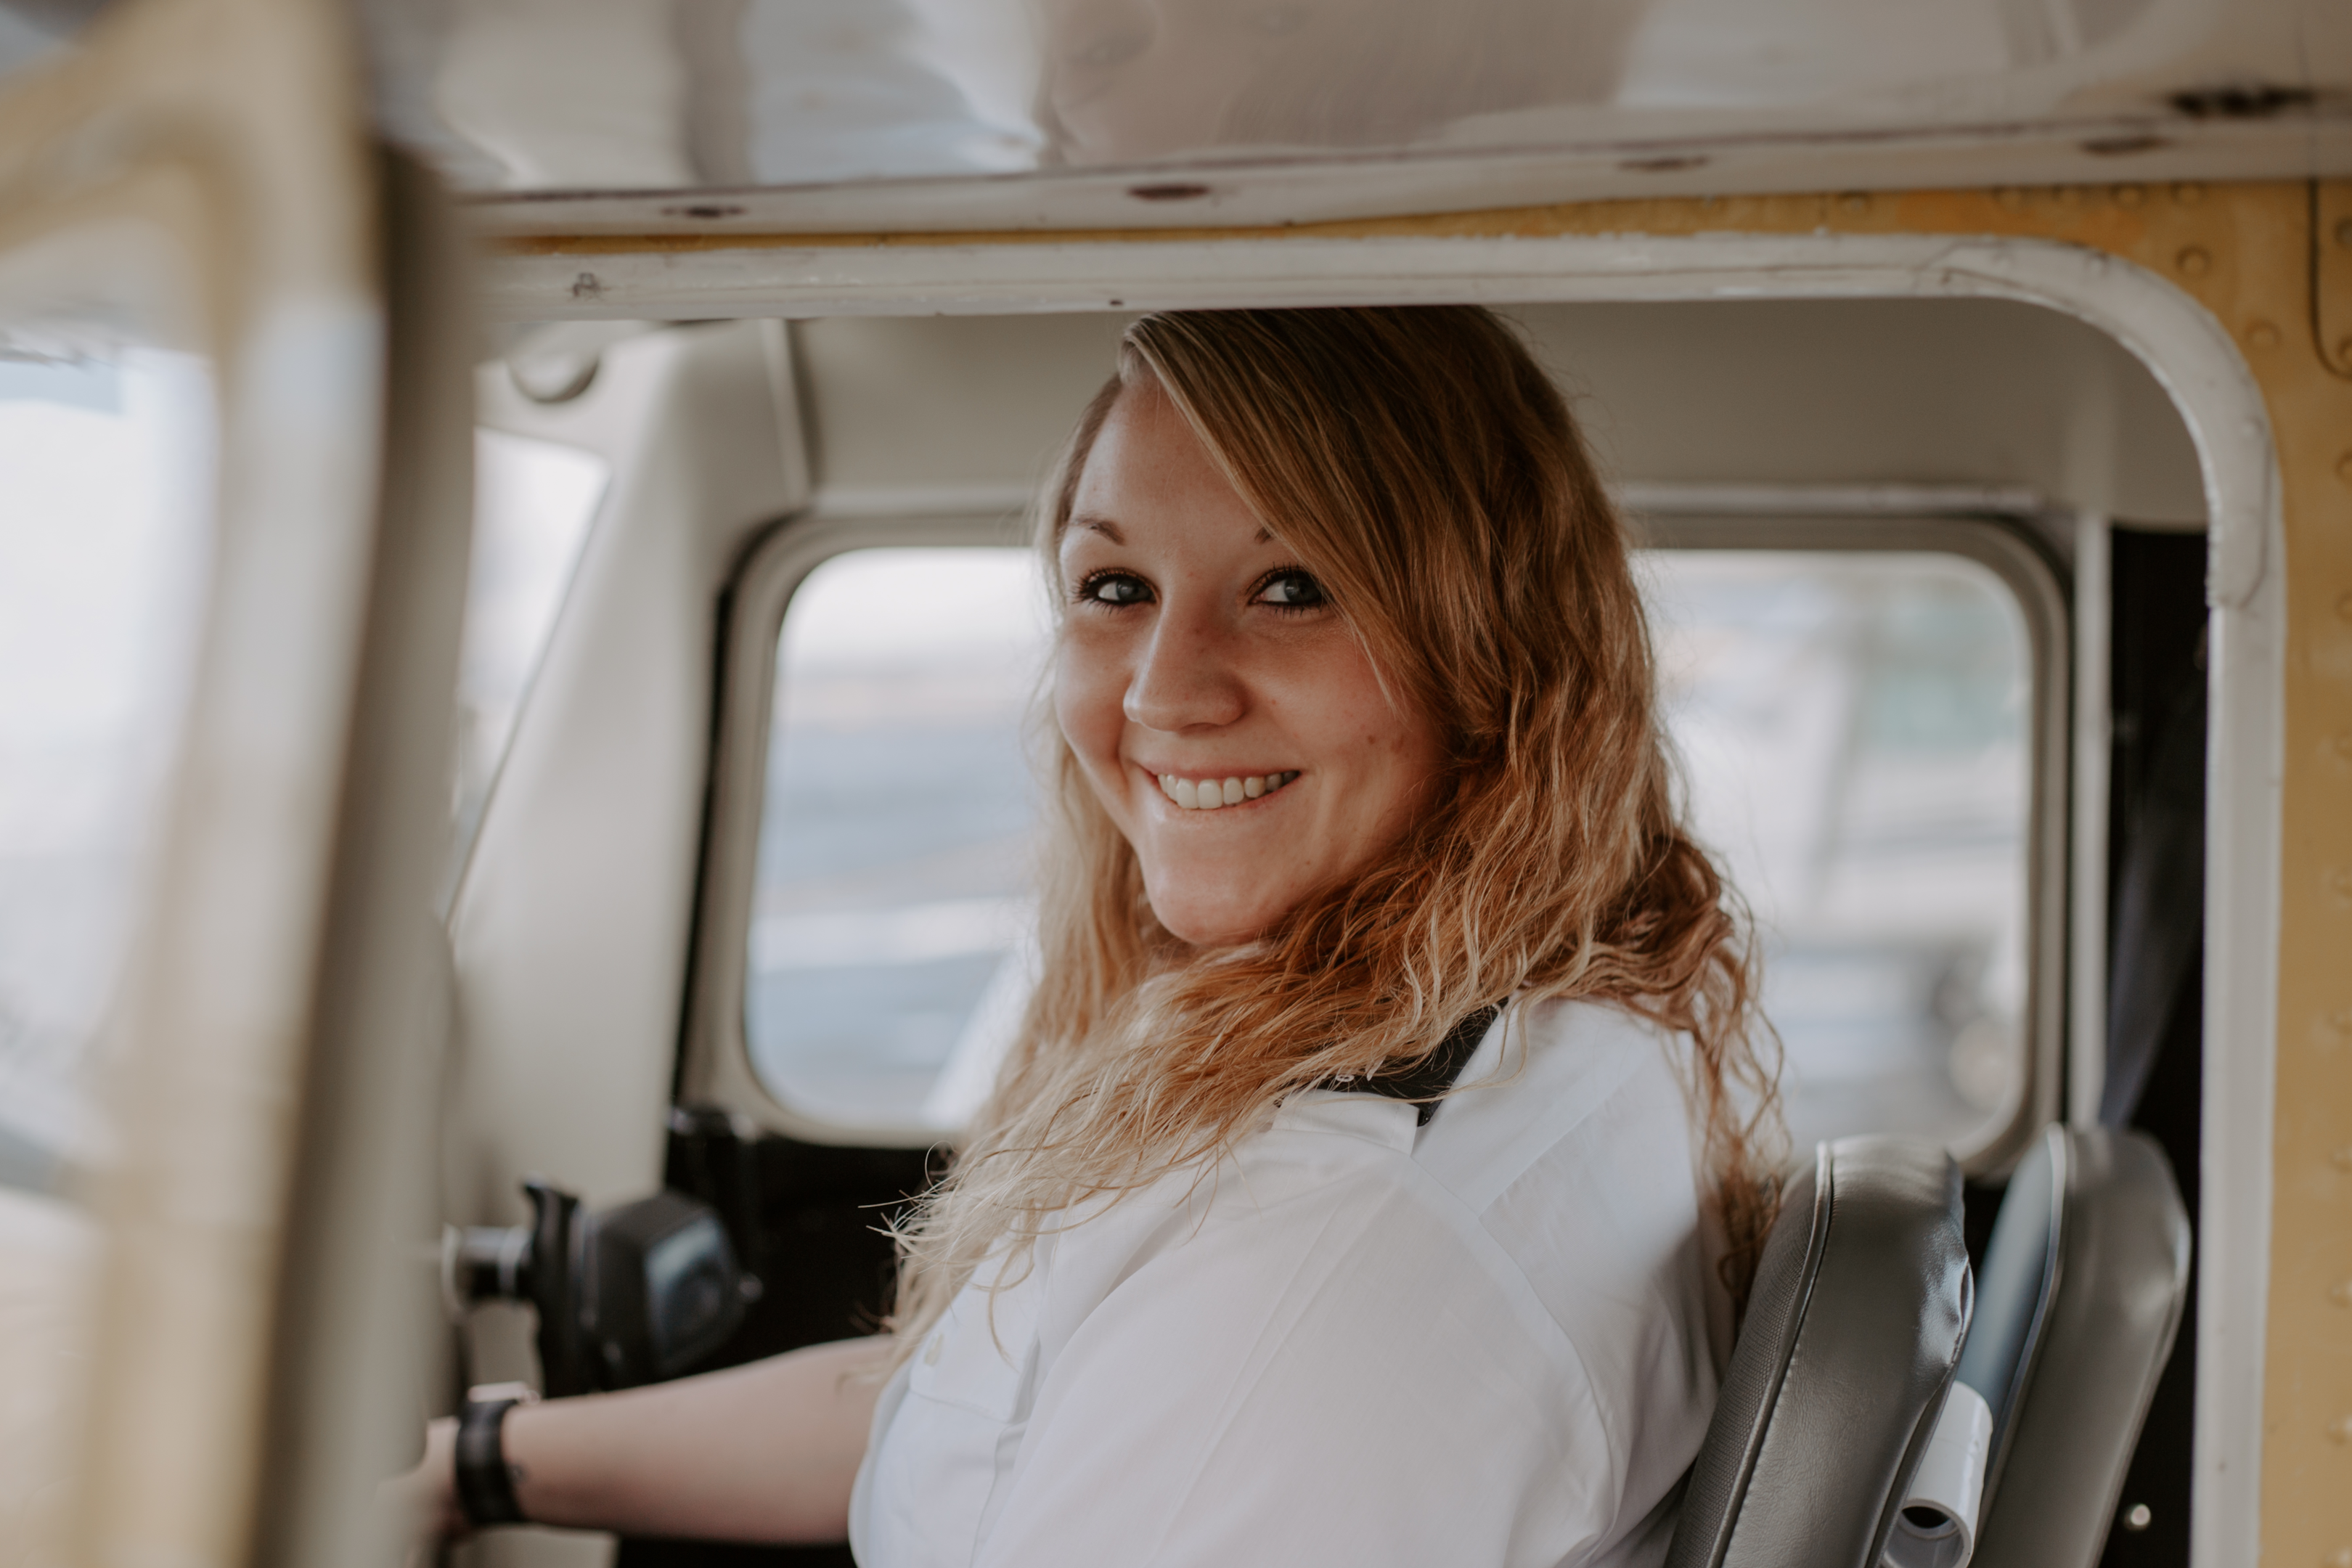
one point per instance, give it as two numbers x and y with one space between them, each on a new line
766 1453
422 1505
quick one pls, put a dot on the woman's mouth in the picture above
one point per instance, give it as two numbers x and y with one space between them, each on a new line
1208 794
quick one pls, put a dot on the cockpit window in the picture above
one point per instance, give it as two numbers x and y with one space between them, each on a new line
532 503
888 965
1853 729
105 545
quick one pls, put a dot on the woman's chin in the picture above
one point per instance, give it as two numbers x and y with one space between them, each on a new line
1201 921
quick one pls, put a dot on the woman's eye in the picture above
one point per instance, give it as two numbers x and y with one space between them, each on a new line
1113 588
1291 590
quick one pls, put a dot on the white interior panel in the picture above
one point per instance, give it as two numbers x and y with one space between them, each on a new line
1941 392
571 924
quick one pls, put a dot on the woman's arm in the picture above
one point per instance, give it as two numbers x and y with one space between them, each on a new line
765 1452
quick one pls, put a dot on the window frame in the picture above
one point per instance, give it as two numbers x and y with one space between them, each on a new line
2006 536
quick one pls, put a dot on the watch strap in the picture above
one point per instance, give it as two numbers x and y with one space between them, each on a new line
485 1481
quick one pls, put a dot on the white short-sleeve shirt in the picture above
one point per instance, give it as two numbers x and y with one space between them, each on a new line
1494 1340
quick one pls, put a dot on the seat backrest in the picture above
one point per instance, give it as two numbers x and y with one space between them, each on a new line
1852 1332
2083 1284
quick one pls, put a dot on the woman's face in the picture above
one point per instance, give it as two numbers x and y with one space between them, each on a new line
1200 662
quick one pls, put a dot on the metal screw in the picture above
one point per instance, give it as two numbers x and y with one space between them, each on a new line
2136 1517
2194 261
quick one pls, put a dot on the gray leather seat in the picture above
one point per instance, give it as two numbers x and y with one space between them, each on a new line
2083 1284
1853 1331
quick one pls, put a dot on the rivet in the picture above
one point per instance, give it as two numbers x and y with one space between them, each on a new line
2130 196
2342 1294
2262 335
2187 193
2194 261
2138 1516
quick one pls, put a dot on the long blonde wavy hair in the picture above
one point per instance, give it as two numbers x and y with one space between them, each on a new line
1428 473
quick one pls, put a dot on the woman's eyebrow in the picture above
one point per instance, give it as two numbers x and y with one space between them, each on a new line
1101 525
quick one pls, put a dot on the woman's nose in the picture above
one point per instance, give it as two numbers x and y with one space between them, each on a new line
1186 678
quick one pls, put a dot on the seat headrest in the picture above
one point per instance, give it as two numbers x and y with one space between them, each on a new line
1854 1327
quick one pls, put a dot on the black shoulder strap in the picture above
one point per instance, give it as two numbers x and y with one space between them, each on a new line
1427 1080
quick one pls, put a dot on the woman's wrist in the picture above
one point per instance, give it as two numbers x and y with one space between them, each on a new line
483 1477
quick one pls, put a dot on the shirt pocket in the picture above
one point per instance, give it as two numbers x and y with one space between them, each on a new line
954 1440
982 1354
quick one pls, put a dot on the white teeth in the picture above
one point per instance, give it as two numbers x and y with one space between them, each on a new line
1209 794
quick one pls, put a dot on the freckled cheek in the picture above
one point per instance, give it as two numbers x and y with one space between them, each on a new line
1088 695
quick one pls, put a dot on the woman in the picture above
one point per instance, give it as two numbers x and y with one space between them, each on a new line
1354 737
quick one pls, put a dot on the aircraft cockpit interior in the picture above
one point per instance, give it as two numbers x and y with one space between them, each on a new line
529 720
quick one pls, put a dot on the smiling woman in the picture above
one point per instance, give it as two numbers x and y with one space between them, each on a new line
1384 1016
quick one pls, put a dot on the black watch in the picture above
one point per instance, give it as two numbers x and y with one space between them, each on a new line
485 1493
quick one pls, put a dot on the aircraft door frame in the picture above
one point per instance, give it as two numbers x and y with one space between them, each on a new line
254 1365
1991 246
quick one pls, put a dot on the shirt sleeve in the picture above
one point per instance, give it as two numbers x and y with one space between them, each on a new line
1351 1375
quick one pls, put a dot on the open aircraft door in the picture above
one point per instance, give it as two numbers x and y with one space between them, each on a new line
234 422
